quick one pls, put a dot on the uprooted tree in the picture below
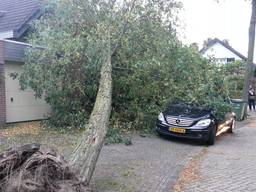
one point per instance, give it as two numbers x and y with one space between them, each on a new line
80 39
86 43
85 156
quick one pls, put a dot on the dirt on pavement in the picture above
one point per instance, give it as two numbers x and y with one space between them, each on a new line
191 172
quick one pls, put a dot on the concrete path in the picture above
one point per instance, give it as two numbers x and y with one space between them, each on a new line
229 165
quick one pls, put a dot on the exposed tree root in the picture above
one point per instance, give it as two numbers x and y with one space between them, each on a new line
26 169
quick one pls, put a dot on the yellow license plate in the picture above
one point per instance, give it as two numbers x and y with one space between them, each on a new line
177 130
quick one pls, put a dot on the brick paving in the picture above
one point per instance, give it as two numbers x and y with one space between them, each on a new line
151 164
229 165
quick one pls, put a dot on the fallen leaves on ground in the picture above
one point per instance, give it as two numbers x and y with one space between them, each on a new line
190 172
33 128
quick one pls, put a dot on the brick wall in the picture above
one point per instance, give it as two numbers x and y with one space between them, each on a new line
2 86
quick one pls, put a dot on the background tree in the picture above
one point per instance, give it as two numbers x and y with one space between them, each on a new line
249 65
234 73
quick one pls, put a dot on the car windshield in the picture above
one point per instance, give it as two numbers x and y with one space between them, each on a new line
187 110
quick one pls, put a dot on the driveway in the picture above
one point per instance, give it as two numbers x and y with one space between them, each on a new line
154 164
230 165
151 164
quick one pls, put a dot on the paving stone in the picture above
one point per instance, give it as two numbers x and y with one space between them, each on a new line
151 164
230 165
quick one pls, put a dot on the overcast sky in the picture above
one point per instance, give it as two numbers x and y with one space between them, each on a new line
228 19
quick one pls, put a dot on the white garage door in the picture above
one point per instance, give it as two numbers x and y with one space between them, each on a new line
21 105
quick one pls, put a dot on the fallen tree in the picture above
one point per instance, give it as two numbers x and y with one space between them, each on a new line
83 39
84 157
86 154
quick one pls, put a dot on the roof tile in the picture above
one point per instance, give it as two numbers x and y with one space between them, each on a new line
17 13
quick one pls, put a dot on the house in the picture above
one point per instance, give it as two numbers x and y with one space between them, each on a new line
16 105
222 52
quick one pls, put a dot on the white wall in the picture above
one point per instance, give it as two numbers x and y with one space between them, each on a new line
6 34
220 52
21 105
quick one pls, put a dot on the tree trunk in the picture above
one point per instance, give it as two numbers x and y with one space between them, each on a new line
86 153
249 66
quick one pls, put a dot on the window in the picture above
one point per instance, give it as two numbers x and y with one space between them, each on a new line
230 59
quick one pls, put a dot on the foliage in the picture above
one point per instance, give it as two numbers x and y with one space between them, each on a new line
166 76
115 135
66 68
151 67
234 75
234 68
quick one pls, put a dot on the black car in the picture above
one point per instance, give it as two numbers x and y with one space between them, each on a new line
188 121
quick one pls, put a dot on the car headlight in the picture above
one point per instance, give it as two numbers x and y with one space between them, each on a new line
161 117
203 123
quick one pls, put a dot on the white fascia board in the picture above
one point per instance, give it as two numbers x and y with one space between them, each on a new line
22 43
17 42
6 34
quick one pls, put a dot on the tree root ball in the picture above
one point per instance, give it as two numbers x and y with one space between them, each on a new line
27 169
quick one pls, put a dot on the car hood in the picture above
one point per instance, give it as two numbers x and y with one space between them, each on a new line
185 110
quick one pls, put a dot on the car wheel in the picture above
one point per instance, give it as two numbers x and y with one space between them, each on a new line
232 127
212 137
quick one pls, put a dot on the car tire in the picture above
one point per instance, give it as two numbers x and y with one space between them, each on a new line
212 136
232 127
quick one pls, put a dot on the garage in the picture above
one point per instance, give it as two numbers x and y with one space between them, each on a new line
21 105
18 105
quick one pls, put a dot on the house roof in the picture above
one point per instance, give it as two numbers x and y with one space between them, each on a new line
15 15
216 40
